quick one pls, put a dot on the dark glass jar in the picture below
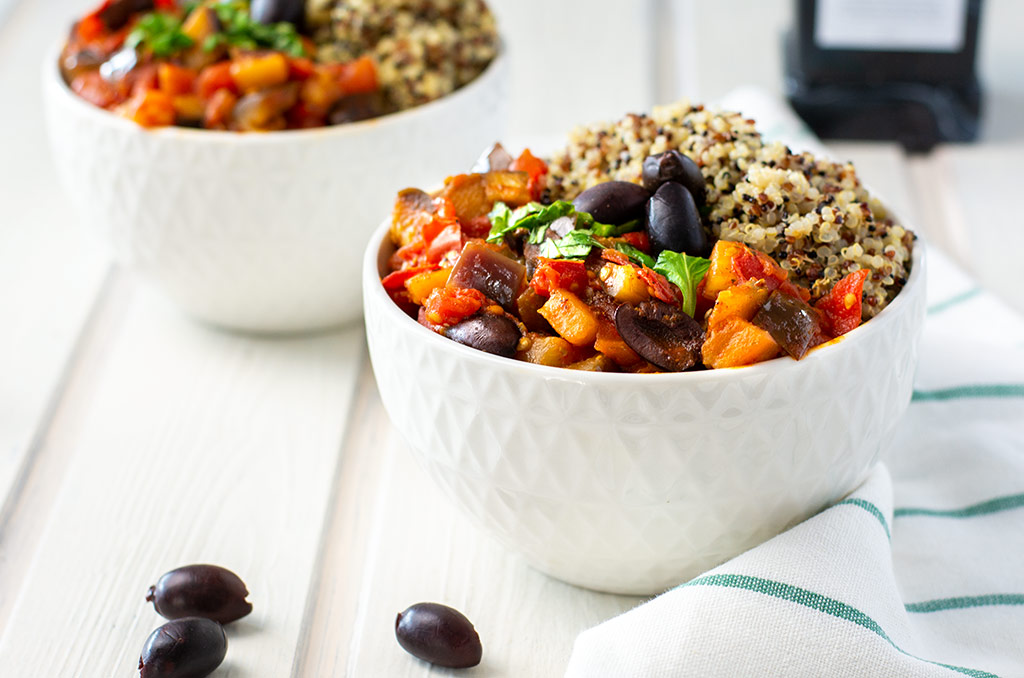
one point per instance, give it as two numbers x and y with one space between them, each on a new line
900 70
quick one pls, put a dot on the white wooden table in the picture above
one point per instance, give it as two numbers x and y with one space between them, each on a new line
133 441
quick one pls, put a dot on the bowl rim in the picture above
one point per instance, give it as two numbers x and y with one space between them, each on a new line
375 296
52 76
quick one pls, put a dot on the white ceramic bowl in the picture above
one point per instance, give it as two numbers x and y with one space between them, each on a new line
634 483
260 232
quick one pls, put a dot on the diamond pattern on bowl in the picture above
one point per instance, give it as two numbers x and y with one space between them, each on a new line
635 483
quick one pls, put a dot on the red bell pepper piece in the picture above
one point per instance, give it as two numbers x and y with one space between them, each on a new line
639 240
615 256
750 264
448 240
534 167
396 279
562 274
841 306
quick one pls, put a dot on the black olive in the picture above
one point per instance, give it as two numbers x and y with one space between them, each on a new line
794 325
116 15
674 166
673 222
191 647
438 634
490 332
273 11
613 202
200 591
661 334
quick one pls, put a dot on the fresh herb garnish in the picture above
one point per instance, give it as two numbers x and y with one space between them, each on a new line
575 245
636 255
160 33
239 30
535 218
685 272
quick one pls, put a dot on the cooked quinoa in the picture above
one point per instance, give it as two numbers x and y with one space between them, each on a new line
424 49
812 215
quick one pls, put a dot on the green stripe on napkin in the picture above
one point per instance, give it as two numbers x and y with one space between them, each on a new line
972 391
954 301
818 602
870 508
966 601
1010 501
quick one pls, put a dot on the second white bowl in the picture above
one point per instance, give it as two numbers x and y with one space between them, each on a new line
259 232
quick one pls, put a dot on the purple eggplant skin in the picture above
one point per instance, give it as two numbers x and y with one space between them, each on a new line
207 591
661 334
489 332
497 276
674 166
793 324
191 647
613 202
438 634
673 222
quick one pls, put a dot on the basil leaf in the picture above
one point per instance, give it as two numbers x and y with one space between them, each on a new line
685 272
636 255
160 33
575 245
500 216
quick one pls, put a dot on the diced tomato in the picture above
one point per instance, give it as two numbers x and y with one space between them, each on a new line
639 240
214 77
615 256
448 240
841 306
552 274
91 86
749 264
449 305
413 254
444 216
396 279
218 109
477 227
300 68
91 28
534 167
357 76
167 5
175 80
301 117
659 286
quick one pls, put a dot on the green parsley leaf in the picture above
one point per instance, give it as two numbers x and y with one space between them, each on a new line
685 272
636 255
575 245
239 30
610 231
160 33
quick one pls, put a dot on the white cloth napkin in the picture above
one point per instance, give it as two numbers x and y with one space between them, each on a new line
919 572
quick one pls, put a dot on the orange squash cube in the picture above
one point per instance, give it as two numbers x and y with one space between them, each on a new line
570 317
737 342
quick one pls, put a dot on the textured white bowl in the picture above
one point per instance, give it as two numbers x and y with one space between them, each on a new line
635 483
260 232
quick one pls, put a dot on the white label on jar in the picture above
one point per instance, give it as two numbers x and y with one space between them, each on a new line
891 25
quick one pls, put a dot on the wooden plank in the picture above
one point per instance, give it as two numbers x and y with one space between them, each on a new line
190 445
51 271
395 541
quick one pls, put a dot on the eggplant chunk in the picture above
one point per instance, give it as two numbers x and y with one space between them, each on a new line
497 334
613 202
274 11
481 268
794 325
660 334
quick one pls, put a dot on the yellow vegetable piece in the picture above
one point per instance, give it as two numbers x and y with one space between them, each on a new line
570 317
421 285
252 72
623 283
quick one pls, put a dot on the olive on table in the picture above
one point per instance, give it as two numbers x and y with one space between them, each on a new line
613 202
207 591
273 11
661 334
438 634
490 332
191 647
674 166
673 222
